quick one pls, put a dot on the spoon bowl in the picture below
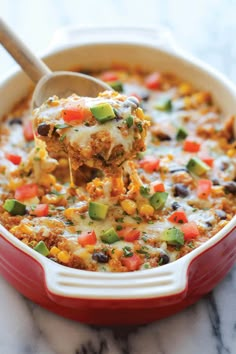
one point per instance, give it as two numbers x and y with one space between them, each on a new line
64 84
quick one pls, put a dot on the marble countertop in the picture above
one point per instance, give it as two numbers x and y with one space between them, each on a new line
206 29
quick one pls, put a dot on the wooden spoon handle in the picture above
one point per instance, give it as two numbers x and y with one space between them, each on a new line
33 66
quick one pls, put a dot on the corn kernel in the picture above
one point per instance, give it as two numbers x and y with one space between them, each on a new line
170 157
71 229
139 113
148 117
69 213
185 89
187 102
47 180
63 162
231 152
117 253
21 229
63 256
57 187
84 254
25 229
54 103
54 251
129 206
222 223
217 191
202 97
14 183
42 153
146 210
89 248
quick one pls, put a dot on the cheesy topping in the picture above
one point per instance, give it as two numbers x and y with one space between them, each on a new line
129 208
100 132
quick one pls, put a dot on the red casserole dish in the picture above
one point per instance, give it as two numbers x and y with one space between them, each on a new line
117 298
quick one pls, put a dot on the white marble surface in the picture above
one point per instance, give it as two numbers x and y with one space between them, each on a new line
205 28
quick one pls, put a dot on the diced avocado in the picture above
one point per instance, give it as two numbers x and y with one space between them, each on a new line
103 112
97 211
197 166
181 133
42 248
129 121
14 207
173 236
110 236
158 200
164 104
116 86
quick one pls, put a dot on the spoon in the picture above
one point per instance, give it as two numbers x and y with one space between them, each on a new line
59 83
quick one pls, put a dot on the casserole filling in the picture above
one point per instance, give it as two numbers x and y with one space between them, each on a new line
150 207
100 132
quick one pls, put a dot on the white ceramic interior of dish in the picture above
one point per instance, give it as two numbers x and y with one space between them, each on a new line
98 49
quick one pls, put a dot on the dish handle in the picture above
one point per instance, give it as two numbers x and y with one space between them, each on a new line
158 36
170 281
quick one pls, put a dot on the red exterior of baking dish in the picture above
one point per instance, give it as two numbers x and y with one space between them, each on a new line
204 272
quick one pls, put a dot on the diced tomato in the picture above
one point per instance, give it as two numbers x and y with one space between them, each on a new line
28 131
87 238
153 81
109 76
27 191
158 187
129 234
76 114
16 159
190 230
204 188
178 217
191 145
207 159
149 163
132 263
40 210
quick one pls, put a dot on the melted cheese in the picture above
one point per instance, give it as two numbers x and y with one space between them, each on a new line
81 135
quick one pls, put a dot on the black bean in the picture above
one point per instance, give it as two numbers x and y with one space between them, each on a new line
180 190
100 257
164 259
15 121
175 205
221 214
163 136
43 129
224 165
144 95
230 187
178 169
215 182
231 140
208 224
